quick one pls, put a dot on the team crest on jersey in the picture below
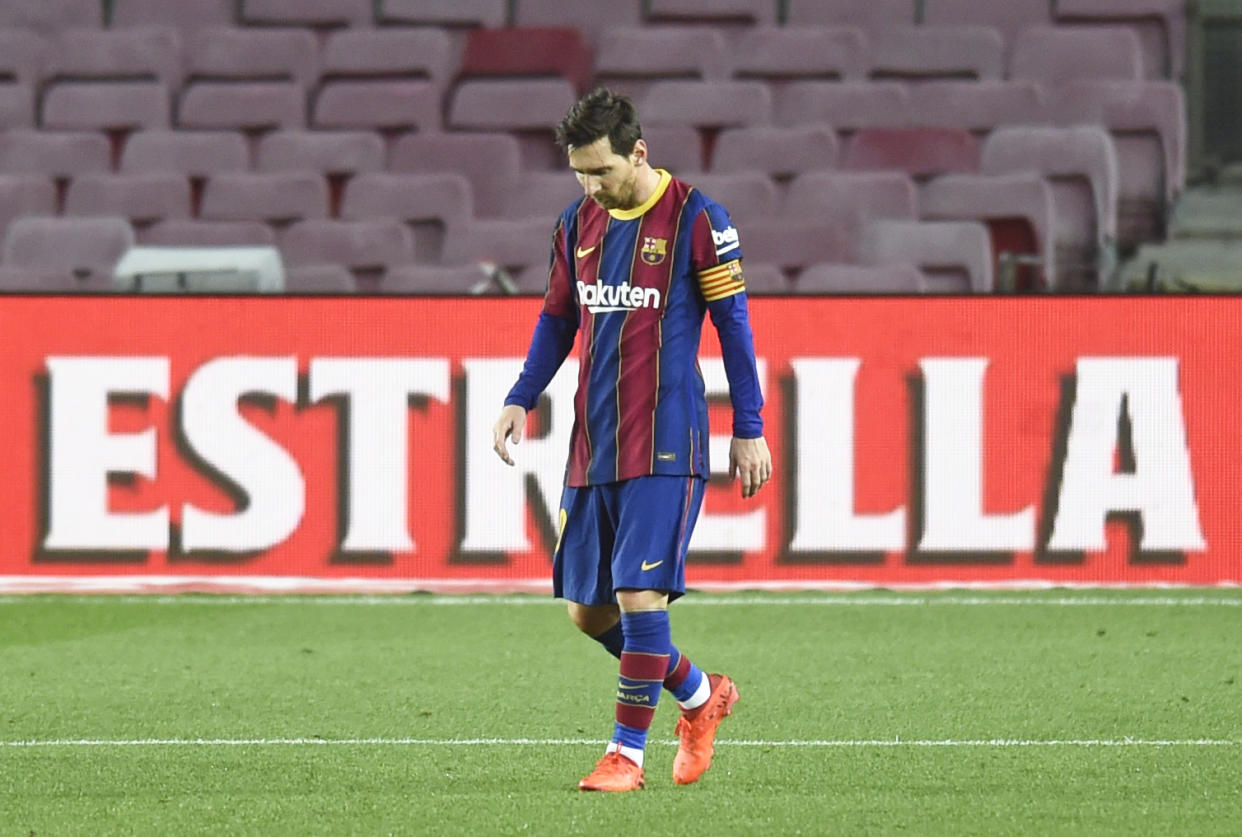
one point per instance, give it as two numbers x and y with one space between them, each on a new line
654 250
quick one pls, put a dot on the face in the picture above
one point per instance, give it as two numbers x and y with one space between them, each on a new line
608 178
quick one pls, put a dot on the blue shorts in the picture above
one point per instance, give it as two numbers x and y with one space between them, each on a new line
629 535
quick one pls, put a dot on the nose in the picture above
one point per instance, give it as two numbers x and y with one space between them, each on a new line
590 185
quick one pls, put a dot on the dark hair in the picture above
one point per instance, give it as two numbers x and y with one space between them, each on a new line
600 113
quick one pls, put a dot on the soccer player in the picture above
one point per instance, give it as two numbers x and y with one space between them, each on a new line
637 262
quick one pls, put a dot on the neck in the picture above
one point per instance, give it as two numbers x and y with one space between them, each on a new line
644 188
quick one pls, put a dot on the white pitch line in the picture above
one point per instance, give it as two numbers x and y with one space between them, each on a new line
557 742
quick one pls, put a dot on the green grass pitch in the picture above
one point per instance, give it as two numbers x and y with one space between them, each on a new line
1051 712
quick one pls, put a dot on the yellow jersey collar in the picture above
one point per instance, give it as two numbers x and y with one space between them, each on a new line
631 214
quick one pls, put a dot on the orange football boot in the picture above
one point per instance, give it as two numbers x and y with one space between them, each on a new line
614 772
696 730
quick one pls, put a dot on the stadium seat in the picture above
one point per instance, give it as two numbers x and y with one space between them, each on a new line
778 53
310 13
832 278
84 248
105 106
528 109
1019 213
1160 24
143 198
1055 55
1009 17
978 106
458 13
395 53
918 151
138 53
23 55
191 153
764 279
326 152
242 106
593 18
319 279
790 244
33 280
741 13
955 256
274 197
528 52
871 15
1147 121
707 104
50 17
921 53
377 104
678 148
430 204
778 152
490 161
186 15
195 233
25 194
542 194
512 244
17 105
1080 164
630 59
746 195
366 248
428 280
846 105
59 154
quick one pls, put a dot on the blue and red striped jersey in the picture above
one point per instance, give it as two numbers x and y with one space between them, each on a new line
636 284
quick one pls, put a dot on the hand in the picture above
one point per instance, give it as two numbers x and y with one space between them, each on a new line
508 426
751 459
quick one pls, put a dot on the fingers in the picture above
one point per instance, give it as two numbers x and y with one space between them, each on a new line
499 433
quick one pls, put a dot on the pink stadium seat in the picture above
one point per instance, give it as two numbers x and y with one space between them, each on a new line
395 54
139 53
191 153
871 15
1019 213
542 194
630 59
378 104
919 53
1080 164
17 105
313 13
707 104
274 197
512 244
86 248
490 161
50 17
955 256
978 106
846 105
764 279
1160 24
775 151
1009 16
59 154
543 51
430 204
790 244
242 106
25 194
918 151
110 106
186 15
851 279
747 195
437 280
717 12
23 55
326 152
776 53
1147 121
363 247
141 197
493 13
193 233
510 104
319 279
593 18
267 54
678 148
1055 55
33 280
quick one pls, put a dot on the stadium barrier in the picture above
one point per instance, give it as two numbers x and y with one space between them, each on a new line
297 443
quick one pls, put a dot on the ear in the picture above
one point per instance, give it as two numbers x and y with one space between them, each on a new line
639 154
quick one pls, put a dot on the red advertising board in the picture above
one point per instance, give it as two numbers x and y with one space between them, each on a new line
345 443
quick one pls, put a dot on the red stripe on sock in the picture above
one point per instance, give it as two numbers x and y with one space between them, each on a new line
637 666
638 717
678 675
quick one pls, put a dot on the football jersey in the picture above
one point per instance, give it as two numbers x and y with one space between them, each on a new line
636 285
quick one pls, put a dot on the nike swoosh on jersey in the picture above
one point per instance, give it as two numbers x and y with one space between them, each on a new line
652 566
584 252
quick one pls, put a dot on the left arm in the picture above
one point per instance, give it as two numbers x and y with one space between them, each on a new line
749 456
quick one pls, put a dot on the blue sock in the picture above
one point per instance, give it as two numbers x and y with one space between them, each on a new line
682 678
644 665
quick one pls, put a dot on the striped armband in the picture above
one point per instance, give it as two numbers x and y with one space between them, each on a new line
722 280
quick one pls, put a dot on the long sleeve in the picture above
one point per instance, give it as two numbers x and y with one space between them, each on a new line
737 345
549 346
